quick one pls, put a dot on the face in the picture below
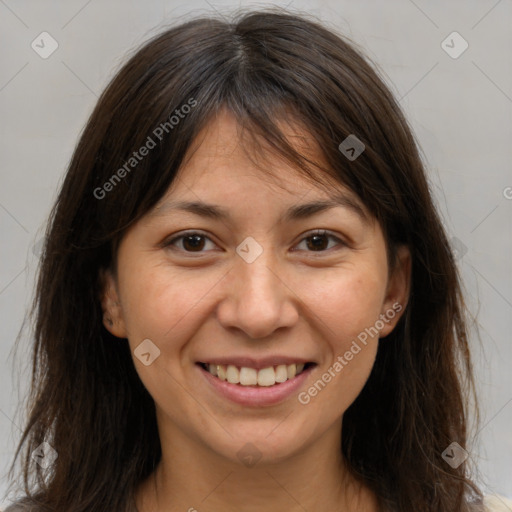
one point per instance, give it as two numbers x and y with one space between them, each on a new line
230 272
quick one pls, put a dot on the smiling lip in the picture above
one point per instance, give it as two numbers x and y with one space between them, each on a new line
256 395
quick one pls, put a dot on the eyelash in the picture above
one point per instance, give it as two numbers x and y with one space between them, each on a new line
318 232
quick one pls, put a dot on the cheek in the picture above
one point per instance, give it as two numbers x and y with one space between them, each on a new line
159 303
347 310
348 303
346 307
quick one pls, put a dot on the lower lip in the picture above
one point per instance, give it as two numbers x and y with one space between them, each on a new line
256 395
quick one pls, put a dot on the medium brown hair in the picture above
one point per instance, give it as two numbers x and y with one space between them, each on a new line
86 399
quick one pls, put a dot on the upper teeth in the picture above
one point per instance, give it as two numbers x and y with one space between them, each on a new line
251 377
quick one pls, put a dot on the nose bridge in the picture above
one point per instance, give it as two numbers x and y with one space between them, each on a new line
257 302
259 282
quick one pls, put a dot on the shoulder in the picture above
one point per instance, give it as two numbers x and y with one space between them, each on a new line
495 503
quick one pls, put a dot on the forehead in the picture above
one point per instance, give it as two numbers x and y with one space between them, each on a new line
228 171
219 173
224 151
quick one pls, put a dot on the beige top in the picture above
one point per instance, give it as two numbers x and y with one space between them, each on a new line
495 503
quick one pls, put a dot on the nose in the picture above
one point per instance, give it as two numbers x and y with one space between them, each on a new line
257 299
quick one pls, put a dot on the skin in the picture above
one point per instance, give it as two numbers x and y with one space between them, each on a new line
292 300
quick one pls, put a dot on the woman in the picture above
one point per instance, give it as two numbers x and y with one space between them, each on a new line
247 299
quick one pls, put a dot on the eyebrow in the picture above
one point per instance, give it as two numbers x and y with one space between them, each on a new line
296 212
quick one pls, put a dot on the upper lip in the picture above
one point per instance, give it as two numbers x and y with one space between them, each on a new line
257 363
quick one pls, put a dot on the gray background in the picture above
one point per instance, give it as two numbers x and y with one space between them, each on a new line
460 109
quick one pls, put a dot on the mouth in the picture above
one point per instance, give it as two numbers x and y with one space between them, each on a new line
245 376
258 385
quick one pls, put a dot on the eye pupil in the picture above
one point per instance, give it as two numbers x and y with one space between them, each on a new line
318 242
193 242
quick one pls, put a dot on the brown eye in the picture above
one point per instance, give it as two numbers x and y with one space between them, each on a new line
193 242
320 241
317 242
190 242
